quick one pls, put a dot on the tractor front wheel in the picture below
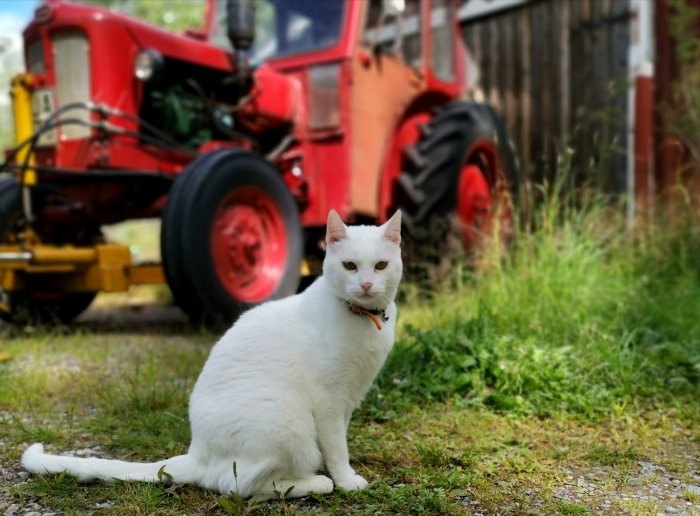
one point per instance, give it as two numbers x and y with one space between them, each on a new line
239 241
171 239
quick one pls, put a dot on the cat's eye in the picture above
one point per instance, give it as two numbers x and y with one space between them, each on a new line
380 266
350 266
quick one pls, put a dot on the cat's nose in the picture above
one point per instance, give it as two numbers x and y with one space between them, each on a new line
366 286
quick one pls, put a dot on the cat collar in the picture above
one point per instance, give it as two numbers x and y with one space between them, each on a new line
375 315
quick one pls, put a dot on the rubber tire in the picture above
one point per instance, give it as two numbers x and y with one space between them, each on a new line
211 182
428 185
171 244
25 308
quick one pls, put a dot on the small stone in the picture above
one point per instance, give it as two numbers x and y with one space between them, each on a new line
24 475
105 505
695 490
675 482
33 513
12 509
671 510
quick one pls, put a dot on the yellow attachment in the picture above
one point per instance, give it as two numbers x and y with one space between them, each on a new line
105 268
21 92
311 266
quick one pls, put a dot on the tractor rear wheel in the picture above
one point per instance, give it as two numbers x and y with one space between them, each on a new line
239 238
458 181
33 305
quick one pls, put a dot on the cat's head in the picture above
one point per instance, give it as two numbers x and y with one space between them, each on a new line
363 263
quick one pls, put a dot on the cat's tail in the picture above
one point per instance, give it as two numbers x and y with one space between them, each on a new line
180 469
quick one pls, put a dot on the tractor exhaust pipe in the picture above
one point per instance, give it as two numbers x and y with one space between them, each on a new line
240 16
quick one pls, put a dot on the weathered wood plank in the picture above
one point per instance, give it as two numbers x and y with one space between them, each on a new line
525 69
495 66
536 78
485 60
619 65
564 99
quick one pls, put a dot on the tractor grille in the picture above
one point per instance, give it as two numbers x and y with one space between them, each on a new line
72 58
35 57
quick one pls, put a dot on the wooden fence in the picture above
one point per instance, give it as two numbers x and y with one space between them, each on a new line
558 71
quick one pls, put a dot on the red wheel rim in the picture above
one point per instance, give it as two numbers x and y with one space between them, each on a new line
249 244
478 202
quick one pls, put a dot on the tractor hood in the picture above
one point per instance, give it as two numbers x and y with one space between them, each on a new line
113 29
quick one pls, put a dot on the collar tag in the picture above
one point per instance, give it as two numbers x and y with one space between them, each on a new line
374 315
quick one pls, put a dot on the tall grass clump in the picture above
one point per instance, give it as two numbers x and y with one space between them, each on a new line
581 315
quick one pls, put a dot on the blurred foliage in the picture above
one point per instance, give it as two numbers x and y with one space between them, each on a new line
682 111
176 15
11 64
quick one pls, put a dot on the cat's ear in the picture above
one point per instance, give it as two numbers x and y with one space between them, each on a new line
335 229
392 228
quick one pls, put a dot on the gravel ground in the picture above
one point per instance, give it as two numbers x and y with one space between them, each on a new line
649 488
12 475
652 489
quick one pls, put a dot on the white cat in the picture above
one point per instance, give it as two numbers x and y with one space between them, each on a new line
278 389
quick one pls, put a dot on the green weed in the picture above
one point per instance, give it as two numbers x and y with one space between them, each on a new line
602 454
571 508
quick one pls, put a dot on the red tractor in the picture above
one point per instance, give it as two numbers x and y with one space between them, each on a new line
240 135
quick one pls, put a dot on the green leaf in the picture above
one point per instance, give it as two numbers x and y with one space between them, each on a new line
256 501
225 504
288 491
164 474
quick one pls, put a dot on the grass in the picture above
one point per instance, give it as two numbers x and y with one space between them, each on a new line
579 350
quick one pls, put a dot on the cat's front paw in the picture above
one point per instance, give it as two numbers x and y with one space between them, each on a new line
353 483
